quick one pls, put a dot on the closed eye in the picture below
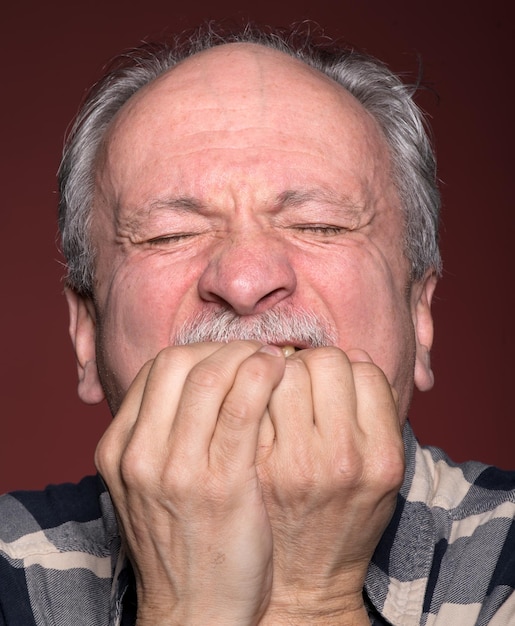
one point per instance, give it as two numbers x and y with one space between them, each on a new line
170 238
322 229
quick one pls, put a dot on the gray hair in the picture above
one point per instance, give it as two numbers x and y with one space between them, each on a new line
378 90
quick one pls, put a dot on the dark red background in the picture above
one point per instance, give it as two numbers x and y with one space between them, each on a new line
52 51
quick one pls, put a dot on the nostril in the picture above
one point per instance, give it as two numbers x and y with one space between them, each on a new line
272 297
247 278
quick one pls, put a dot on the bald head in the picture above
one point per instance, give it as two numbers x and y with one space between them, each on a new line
239 100
232 73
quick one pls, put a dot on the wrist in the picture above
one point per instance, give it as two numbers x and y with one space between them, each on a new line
198 615
358 617
347 611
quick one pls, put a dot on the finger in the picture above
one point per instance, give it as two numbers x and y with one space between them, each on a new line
291 407
163 389
377 415
376 406
355 355
266 438
204 392
235 439
135 443
334 395
109 449
360 356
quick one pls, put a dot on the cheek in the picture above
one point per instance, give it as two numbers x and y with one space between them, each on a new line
366 300
139 312
378 321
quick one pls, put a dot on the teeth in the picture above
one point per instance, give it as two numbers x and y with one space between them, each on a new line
288 350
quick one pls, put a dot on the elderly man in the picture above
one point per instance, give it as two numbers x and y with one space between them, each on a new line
251 232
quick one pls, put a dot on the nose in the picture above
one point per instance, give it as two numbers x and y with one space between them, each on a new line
248 273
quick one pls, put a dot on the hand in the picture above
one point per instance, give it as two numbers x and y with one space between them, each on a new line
330 464
179 462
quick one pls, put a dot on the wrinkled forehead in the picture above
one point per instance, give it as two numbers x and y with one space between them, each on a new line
239 86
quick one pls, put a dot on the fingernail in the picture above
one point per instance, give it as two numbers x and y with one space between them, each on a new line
272 350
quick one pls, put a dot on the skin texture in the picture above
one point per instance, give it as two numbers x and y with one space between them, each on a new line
250 488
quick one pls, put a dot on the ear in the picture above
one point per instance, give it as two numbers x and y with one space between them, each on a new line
421 296
83 335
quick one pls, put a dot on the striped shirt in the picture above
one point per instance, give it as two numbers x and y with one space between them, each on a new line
447 557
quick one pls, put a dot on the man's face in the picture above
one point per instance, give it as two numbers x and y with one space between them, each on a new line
244 181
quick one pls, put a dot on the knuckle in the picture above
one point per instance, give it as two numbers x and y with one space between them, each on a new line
206 376
106 454
350 471
174 357
236 413
137 468
385 473
368 370
256 371
101 458
389 469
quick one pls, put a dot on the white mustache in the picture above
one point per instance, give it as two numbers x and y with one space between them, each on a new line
286 326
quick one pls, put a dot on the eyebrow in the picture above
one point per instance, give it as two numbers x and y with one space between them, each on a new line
184 203
341 204
291 198
294 197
